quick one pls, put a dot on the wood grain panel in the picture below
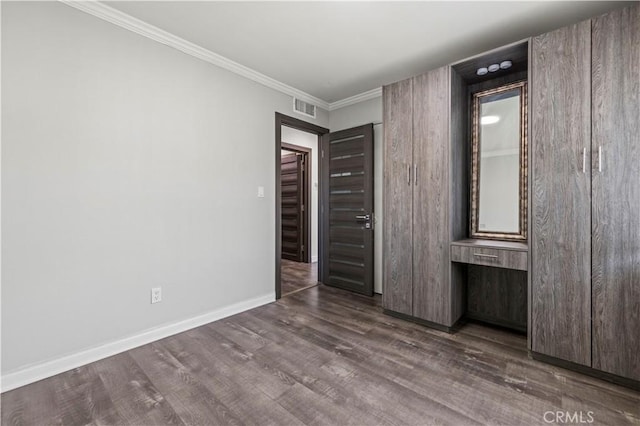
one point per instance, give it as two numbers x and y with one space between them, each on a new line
347 164
346 182
347 252
431 236
347 269
561 222
616 192
351 146
497 296
397 292
353 235
346 200
529 196
459 188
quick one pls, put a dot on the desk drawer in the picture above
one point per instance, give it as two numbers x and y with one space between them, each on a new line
509 259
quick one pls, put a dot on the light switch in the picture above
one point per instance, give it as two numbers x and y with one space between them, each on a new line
261 192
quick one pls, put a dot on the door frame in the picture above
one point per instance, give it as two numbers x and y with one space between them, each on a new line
306 199
295 123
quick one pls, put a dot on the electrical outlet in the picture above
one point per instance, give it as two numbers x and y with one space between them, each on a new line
156 295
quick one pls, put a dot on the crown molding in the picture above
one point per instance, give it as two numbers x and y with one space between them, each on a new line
123 20
142 28
352 100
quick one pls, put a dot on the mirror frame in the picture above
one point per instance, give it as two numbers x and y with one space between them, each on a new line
521 235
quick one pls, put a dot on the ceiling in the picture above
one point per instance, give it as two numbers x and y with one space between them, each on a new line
334 50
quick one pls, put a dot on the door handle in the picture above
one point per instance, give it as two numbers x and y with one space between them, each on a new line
584 160
366 218
409 174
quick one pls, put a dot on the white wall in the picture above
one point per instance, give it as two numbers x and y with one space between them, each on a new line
126 165
308 140
356 115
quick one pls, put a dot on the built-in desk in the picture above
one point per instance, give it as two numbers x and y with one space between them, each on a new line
496 280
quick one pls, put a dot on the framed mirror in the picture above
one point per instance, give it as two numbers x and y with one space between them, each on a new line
499 163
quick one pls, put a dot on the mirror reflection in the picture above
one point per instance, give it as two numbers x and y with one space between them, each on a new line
498 193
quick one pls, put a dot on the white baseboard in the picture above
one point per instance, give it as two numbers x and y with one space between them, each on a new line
33 373
314 259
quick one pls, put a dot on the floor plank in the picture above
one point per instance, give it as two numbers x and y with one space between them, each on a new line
135 397
321 356
297 276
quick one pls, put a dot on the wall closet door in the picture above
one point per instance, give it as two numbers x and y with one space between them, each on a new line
561 193
616 192
397 294
431 286
292 184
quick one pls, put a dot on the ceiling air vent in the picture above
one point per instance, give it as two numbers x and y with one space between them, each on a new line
304 108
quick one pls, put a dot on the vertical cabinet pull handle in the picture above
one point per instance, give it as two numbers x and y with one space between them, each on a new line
600 158
415 174
409 174
584 160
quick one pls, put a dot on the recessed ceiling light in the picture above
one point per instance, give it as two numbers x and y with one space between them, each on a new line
489 119
494 67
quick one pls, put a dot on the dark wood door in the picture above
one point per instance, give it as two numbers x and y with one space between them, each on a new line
616 192
292 183
347 209
560 116
397 287
431 265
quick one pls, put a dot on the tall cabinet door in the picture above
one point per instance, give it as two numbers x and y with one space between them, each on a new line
397 294
431 288
616 192
561 193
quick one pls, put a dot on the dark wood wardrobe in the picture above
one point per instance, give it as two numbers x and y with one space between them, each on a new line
422 165
582 256
585 245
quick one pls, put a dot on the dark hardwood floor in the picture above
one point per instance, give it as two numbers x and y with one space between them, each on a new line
321 356
297 276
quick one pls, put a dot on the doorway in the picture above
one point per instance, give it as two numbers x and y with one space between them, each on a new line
297 197
345 209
